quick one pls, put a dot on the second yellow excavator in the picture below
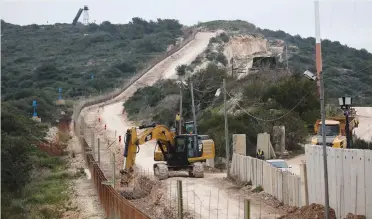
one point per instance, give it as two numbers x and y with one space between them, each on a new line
178 152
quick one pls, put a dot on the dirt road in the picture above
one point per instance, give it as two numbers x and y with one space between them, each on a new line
167 68
229 205
295 163
84 195
209 197
364 130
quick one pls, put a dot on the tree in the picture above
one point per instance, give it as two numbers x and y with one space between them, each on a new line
224 37
181 70
221 58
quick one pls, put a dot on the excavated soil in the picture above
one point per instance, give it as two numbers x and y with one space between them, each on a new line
353 216
147 194
142 187
313 211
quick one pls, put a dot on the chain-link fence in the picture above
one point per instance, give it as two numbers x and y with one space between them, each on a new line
209 197
112 202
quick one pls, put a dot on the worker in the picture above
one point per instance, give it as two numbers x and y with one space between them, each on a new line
260 154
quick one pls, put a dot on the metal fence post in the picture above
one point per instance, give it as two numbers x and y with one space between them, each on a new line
99 151
113 170
247 209
93 146
179 196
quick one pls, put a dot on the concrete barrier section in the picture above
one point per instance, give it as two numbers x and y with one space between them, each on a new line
284 186
349 179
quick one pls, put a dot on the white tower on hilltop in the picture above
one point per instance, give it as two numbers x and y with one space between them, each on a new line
86 15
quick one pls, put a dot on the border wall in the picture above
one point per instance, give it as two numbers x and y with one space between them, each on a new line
349 179
111 201
284 186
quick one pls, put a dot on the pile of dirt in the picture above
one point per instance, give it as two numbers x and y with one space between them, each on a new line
156 205
313 211
146 194
142 187
354 216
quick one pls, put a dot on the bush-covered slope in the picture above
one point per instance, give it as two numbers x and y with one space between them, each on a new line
37 60
257 95
259 101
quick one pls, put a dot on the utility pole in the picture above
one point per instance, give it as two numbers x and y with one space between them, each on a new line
226 129
194 119
286 54
193 108
347 129
180 122
322 107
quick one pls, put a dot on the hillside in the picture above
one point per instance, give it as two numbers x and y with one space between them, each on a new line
39 59
36 60
259 97
347 71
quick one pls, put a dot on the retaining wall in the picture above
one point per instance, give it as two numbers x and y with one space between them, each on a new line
349 179
111 201
284 186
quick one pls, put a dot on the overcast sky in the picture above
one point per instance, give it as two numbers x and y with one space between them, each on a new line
347 21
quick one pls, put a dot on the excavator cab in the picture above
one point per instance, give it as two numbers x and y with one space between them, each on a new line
186 146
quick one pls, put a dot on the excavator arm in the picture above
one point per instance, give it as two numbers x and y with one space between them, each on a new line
160 133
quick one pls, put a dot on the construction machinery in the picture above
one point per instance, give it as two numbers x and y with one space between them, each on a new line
335 130
172 152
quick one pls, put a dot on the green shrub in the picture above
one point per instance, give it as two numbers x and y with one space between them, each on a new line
222 58
181 70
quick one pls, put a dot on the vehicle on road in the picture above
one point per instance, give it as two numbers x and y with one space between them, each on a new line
335 131
280 164
172 152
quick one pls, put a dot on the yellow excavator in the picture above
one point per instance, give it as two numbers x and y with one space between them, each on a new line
172 152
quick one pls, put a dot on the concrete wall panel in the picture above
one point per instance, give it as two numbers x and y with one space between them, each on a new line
332 178
346 190
285 186
368 182
339 154
239 144
349 179
361 193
